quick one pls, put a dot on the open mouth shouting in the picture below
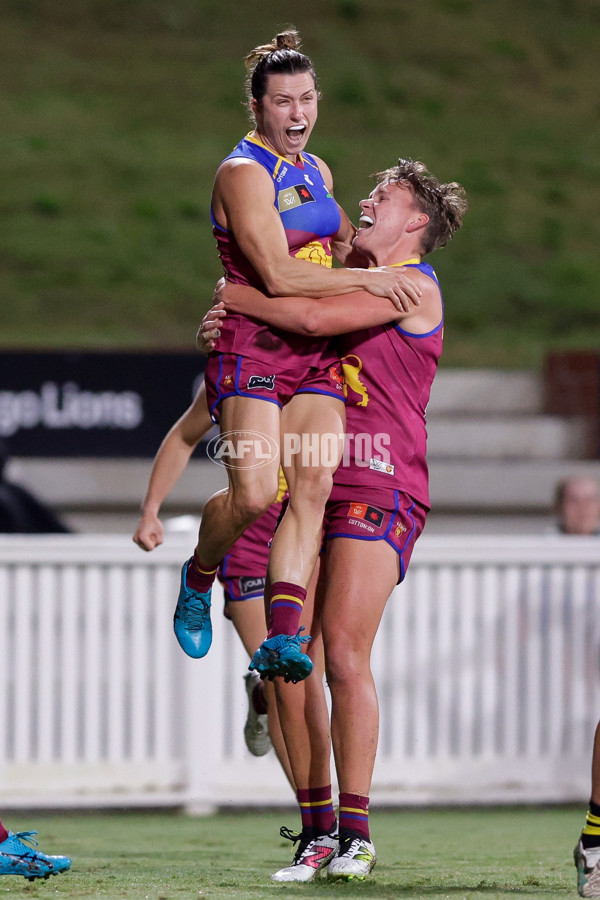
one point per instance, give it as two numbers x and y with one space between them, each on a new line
296 133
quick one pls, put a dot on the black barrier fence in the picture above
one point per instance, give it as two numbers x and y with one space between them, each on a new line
79 404
571 381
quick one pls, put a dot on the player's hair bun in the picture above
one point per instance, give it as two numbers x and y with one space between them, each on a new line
286 40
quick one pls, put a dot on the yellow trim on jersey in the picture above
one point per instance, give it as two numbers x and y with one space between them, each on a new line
407 262
281 159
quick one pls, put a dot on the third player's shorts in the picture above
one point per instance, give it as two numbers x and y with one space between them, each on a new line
229 375
375 514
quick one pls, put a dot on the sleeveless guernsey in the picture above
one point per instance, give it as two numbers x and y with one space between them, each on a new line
310 218
388 373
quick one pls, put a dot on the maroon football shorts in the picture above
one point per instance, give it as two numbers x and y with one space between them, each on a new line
375 514
229 375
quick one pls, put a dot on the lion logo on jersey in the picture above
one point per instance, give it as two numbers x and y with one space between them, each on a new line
352 367
316 252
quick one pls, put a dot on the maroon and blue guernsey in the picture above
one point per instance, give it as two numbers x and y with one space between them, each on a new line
388 372
310 217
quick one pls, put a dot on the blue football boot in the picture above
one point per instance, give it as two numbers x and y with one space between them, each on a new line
282 655
16 858
191 621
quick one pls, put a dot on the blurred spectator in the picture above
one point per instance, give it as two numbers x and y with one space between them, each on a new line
577 506
20 512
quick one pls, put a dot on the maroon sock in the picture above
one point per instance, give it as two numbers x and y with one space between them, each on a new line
198 576
286 603
354 815
3 833
259 701
316 809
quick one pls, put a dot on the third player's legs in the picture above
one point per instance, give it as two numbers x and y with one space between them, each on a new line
248 620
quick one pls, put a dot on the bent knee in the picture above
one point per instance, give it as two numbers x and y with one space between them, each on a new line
249 503
345 668
313 486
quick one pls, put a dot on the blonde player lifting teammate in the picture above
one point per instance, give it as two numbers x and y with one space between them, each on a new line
376 510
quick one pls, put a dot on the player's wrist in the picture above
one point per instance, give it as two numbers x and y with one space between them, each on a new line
361 280
150 509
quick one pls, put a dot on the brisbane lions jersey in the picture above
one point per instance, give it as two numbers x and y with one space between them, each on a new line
388 372
310 218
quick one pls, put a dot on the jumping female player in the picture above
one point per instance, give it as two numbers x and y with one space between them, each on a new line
277 226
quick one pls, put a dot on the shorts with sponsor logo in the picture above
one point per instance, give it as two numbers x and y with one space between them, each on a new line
230 375
375 514
243 571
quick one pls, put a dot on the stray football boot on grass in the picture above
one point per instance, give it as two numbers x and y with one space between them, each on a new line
282 656
587 860
312 855
16 858
191 622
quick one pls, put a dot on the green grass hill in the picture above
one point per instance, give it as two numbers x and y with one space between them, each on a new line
115 114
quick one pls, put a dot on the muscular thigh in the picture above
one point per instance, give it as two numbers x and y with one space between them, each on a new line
250 431
312 435
360 576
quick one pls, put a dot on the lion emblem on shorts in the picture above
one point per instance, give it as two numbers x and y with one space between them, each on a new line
352 367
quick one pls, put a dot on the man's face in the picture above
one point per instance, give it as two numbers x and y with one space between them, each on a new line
580 513
287 113
385 215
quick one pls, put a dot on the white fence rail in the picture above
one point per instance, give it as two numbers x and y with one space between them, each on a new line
487 665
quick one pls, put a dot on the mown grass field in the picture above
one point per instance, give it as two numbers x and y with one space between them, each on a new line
116 113
434 853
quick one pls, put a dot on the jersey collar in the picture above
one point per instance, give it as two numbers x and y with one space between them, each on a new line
282 159
407 262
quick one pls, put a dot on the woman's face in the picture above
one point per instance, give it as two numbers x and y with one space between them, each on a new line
580 511
286 115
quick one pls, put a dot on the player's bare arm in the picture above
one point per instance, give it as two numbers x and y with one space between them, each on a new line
169 463
335 315
341 243
243 203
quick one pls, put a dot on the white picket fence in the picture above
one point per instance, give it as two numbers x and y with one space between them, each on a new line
487 666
